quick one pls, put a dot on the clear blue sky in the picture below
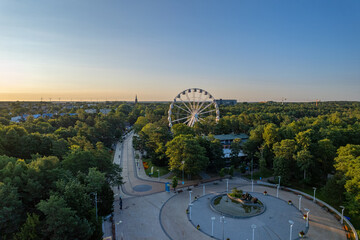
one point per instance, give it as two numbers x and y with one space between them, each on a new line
250 50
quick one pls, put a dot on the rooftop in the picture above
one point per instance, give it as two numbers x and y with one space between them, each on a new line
231 136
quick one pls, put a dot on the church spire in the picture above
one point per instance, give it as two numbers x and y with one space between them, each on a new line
136 101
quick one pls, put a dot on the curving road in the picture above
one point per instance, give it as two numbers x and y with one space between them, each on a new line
139 217
134 185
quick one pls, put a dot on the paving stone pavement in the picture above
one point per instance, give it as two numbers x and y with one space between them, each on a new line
139 218
163 216
155 214
271 225
177 225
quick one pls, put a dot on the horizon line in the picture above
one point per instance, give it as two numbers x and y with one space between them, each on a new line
167 101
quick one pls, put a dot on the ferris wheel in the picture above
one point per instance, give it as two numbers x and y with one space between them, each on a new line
192 105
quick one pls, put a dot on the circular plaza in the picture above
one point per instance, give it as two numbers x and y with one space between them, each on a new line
272 223
190 215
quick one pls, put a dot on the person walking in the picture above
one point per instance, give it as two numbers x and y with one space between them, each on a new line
120 203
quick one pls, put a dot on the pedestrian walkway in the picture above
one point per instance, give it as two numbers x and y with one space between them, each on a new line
139 218
106 227
143 176
134 186
322 224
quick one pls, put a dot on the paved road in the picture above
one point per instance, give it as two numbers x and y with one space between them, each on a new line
134 186
155 214
139 217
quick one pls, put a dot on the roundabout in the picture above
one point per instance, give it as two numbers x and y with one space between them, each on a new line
270 224
198 220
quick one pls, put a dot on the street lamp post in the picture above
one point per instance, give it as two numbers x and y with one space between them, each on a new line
227 185
204 190
300 196
158 174
190 197
279 180
212 226
252 167
117 223
291 225
182 162
222 219
277 191
342 214
190 205
252 185
314 200
253 226
307 216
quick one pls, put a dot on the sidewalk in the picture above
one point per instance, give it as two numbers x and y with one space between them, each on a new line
322 224
106 226
140 171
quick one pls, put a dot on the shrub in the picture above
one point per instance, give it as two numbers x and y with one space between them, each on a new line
222 172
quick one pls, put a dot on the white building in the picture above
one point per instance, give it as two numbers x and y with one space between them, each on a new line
91 110
16 119
227 153
105 111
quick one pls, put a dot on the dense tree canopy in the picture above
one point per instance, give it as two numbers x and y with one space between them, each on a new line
186 148
348 164
51 170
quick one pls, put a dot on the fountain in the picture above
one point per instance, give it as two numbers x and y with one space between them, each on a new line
237 205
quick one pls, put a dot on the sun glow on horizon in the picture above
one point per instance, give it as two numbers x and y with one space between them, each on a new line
237 50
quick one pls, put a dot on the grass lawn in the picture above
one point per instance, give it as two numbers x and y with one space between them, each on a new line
162 170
